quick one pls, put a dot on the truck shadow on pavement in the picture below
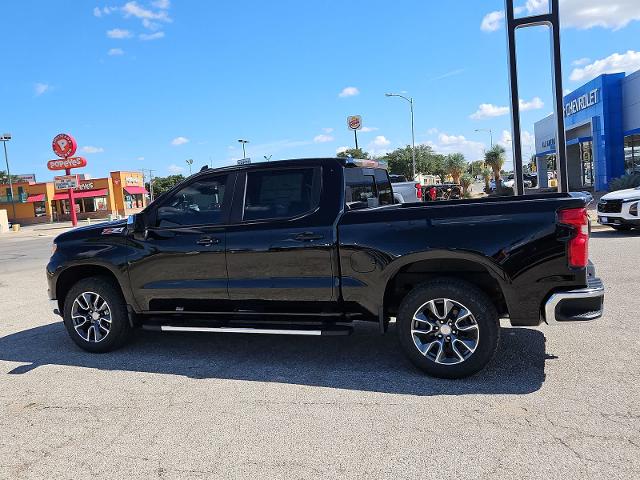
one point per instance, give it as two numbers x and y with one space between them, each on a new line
364 361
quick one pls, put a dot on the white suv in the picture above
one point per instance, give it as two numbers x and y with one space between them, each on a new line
620 209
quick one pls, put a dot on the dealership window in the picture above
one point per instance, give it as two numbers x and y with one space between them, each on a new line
632 154
133 201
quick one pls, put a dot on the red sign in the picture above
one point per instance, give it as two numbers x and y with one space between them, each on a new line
64 163
354 122
64 145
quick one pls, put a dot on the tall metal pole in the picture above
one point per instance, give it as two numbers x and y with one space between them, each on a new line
413 134
551 20
490 134
355 135
6 159
413 141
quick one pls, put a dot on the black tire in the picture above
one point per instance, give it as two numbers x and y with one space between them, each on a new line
484 316
621 228
120 330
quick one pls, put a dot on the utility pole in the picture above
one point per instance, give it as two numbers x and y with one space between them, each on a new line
144 170
4 139
189 162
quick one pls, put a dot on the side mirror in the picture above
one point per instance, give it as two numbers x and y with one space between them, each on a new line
136 226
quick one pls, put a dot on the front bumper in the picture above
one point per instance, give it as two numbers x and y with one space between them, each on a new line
582 305
616 219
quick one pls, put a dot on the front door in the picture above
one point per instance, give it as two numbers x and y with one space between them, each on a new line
180 266
280 246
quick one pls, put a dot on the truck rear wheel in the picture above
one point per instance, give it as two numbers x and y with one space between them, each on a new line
448 328
95 315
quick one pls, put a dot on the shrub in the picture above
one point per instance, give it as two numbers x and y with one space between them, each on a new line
624 182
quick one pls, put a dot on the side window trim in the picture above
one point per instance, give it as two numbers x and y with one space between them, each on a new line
230 188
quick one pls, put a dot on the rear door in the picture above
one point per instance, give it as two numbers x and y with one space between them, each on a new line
281 245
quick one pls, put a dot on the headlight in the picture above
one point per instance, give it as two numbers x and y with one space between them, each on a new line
633 210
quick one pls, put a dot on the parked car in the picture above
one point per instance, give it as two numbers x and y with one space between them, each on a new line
404 191
306 247
510 182
620 209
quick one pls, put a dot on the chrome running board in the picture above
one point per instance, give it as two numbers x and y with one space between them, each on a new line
333 331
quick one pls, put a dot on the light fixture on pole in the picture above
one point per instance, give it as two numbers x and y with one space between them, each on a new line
243 142
490 133
4 138
413 135
189 162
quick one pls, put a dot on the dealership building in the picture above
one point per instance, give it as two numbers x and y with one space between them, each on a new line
602 122
121 193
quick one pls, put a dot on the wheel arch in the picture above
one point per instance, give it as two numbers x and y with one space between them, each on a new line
417 269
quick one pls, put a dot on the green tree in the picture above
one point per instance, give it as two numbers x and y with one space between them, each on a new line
164 184
4 178
495 158
466 180
354 153
455 165
475 168
428 162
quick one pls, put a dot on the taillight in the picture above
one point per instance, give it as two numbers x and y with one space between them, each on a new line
418 191
578 250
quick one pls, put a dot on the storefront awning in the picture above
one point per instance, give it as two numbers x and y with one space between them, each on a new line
135 190
102 192
38 197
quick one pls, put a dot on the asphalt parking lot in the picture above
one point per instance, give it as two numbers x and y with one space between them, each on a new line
555 403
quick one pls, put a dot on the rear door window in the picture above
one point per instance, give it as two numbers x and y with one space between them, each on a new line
367 187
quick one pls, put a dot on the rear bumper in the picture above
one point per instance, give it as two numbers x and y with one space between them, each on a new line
580 305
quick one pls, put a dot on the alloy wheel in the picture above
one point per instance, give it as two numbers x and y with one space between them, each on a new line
445 331
91 317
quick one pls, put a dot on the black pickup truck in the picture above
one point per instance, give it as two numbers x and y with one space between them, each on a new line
305 247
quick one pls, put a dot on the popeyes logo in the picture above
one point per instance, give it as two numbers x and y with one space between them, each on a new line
64 163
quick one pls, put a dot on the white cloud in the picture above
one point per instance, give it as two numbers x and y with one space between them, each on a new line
92 149
536 103
342 149
581 14
164 4
151 36
179 141
488 110
327 130
119 33
380 141
175 169
618 62
115 51
99 12
323 138
432 131
140 158
41 88
349 92
492 21
368 129
132 9
581 61
447 144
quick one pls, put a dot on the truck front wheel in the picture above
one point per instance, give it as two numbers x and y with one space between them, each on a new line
95 315
448 328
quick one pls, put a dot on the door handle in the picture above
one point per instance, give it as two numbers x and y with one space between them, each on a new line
208 241
307 237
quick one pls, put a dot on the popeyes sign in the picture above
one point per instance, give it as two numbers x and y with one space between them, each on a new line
65 146
64 163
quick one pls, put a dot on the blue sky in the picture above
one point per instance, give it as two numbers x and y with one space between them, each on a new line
149 84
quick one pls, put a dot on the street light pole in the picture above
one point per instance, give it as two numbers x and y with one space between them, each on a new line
243 142
490 133
189 162
4 139
413 133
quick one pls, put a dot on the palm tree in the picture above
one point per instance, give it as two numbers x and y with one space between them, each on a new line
466 180
495 158
486 175
455 166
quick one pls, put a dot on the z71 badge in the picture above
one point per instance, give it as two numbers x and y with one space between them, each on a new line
112 231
